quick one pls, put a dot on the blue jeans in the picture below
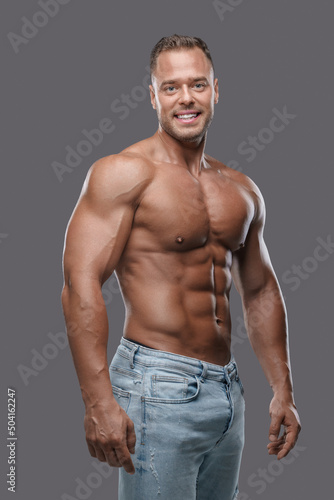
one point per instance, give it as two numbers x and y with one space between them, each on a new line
189 422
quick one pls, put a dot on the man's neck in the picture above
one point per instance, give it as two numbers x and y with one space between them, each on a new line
189 155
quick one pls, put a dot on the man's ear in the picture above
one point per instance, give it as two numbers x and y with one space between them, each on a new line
216 90
152 95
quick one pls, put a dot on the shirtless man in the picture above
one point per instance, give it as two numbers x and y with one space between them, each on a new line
177 226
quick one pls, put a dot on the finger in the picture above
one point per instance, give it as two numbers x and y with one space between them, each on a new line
281 449
131 437
112 458
275 427
275 451
290 441
278 439
277 443
91 450
275 446
124 458
100 454
284 451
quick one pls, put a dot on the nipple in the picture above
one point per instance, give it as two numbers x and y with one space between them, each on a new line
179 239
241 245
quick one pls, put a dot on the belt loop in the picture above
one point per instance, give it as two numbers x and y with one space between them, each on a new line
227 376
204 371
132 355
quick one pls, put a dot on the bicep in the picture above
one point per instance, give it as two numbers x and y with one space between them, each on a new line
95 240
252 269
100 224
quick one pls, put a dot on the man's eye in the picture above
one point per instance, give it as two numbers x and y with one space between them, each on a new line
199 85
170 88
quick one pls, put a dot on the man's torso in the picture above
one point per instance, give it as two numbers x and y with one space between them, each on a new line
175 271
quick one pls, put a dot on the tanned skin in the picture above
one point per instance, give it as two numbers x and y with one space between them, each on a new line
176 226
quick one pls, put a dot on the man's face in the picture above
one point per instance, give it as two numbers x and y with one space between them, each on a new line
184 93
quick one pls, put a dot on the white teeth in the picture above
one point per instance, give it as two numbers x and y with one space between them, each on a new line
187 117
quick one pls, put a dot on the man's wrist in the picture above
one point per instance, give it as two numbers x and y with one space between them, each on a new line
283 393
94 400
97 390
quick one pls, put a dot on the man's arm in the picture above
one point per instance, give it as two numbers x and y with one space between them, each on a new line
96 235
266 323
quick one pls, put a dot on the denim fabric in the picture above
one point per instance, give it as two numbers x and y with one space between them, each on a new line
189 423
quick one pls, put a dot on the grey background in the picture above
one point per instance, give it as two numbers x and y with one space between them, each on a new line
267 54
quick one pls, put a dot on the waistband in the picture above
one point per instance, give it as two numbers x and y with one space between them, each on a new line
147 356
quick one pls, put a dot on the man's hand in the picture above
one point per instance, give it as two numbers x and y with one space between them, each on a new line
283 412
110 435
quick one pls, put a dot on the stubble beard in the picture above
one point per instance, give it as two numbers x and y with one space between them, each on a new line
174 132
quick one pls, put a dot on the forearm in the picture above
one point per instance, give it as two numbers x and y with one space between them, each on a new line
87 329
266 323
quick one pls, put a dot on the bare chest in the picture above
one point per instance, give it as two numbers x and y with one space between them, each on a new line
183 212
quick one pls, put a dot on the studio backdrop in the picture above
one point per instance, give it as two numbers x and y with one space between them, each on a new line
75 88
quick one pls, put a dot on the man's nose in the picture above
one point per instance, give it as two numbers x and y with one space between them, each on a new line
186 96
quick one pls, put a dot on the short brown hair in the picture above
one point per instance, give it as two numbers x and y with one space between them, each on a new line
175 42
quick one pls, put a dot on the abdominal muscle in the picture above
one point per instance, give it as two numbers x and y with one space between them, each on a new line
178 302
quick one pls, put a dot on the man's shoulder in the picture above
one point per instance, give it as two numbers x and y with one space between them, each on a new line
235 175
242 180
127 163
126 173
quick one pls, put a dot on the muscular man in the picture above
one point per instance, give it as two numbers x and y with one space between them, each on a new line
176 226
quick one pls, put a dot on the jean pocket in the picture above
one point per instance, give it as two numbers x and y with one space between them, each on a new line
167 387
124 372
122 397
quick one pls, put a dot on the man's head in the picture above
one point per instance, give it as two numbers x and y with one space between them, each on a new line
183 81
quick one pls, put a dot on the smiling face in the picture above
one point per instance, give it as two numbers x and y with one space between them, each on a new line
184 93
